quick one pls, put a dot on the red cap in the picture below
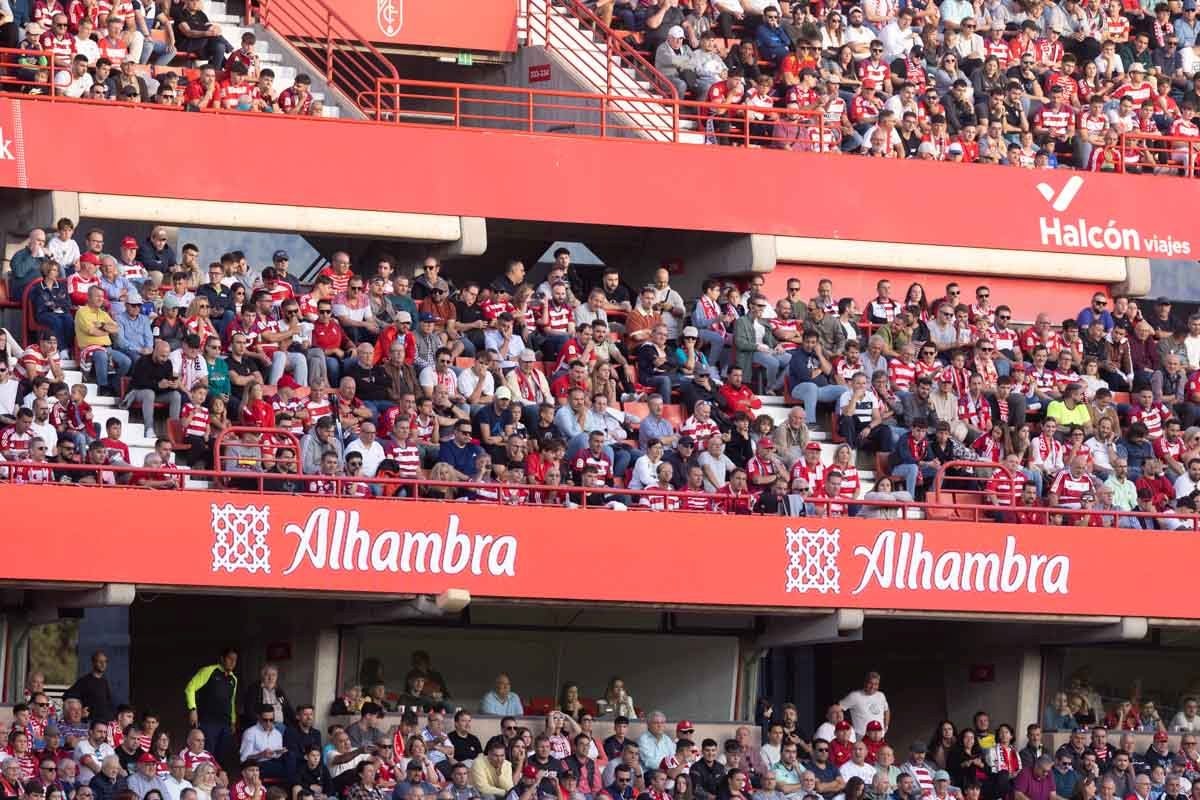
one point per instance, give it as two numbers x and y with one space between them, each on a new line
813 446
1018 367
868 83
874 725
146 758
842 726
129 241
530 771
287 381
684 725
89 258
1161 736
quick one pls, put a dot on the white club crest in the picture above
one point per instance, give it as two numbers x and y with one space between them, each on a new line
389 14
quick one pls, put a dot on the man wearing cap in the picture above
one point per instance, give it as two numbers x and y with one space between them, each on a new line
145 777
155 253
94 330
673 58
920 770
529 388
280 260
941 786
495 422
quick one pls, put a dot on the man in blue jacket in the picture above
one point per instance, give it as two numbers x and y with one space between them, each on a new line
772 39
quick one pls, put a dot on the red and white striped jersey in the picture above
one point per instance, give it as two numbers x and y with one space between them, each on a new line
851 483
558 318
586 458
289 99
62 47
1115 28
197 417
1055 120
78 286
116 51
230 95
1138 94
34 364
318 408
846 368
659 502
1152 417
14 445
791 326
879 72
192 760
1005 487
408 460
975 411
700 430
1070 489
1094 124
695 502
813 473
1000 51
340 281
903 374
31 475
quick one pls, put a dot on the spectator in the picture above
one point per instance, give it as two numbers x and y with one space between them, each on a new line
755 344
654 745
211 697
27 264
492 775
501 700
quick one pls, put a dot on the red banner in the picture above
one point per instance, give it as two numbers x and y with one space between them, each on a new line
572 179
479 25
285 542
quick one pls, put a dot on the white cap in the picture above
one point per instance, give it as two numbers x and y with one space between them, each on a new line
676 32
503 393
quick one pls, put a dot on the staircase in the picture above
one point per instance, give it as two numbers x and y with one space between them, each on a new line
271 55
602 62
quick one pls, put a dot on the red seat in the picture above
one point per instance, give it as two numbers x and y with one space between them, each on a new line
31 327
538 706
175 433
6 299
673 414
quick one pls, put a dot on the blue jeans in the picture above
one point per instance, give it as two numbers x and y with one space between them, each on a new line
810 394
909 473
120 362
716 346
63 326
775 365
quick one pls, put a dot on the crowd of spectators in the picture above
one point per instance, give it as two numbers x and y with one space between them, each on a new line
255 744
515 383
98 50
1028 83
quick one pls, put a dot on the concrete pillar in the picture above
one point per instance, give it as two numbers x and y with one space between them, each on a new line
325 672
1029 687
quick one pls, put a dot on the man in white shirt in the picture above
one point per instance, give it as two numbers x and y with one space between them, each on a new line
263 743
857 766
174 781
85 45
369 448
79 80
899 36
826 730
1188 482
867 704
92 751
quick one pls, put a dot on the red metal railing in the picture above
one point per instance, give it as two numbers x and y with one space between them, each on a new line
1173 155
550 25
585 114
27 72
346 58
527 494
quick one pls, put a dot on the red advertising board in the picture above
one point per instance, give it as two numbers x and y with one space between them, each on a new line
298 543
572 179
478 25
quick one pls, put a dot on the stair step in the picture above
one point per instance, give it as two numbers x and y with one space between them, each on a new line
224 19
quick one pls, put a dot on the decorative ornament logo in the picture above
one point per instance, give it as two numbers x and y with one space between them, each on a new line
1062 201
240 538
812 560
390 16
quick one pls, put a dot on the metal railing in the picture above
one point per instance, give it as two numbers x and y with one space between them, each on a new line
27 72
527 110
1170 155
347 59
550 24
249 474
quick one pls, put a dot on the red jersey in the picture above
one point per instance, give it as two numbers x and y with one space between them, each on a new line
1152 417
61 48
1057 121
1005 487
902 374
879 72
78 286
34 364
231 95
115 50
586 458
195 91
731 502
739 398
864 109
700 430
290 99
340 280
813 473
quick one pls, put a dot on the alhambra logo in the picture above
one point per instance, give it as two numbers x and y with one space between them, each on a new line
896 560
333 540
1081 234
389 14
